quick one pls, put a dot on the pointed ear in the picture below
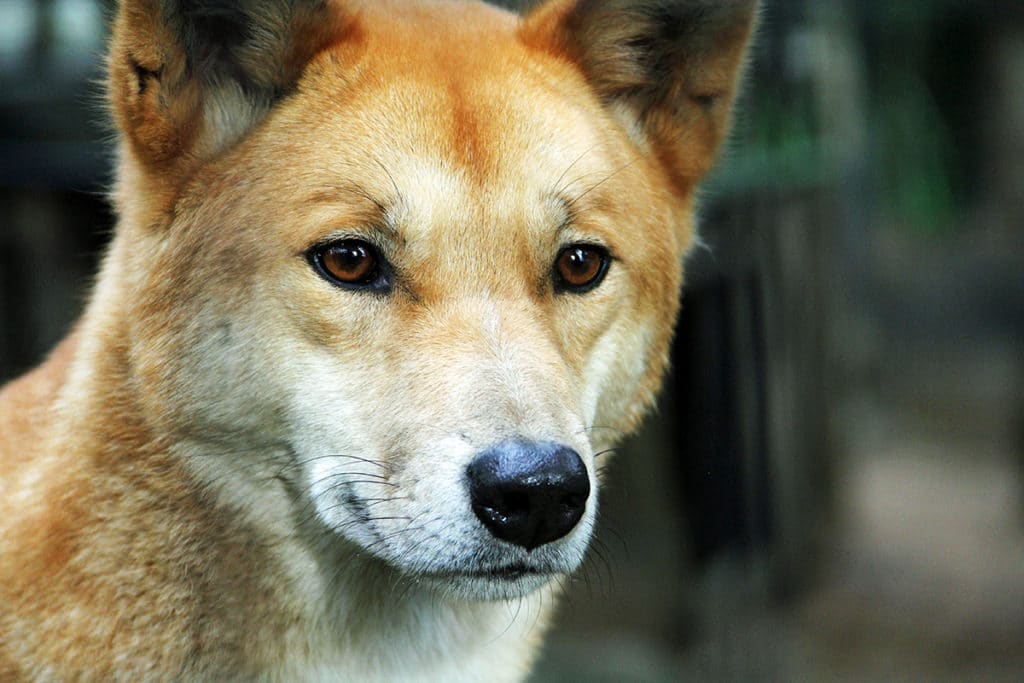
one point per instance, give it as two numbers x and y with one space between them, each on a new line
668 69
187 78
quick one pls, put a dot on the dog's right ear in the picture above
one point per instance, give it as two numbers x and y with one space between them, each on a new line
187 78
667 69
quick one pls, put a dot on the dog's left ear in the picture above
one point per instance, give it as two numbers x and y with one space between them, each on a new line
187 78
667 69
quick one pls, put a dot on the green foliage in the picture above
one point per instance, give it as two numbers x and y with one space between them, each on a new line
914 159
910 150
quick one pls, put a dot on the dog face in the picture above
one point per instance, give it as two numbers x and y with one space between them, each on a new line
408 268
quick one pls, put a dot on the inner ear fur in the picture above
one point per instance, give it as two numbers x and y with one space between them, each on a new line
668 69
188 77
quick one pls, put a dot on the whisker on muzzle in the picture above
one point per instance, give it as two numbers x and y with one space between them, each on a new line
347 482
342 456
594 428
370 461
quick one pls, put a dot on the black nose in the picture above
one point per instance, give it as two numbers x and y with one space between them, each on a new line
528 493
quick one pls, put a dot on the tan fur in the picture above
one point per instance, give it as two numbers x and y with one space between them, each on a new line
166 500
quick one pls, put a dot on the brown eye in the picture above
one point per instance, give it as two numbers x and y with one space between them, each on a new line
349 263
580 267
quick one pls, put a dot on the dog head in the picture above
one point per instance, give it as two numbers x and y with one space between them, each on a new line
414 264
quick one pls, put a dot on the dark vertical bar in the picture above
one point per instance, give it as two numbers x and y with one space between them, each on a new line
761 521
710 460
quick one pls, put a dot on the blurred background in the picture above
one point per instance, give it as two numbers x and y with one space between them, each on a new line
833 486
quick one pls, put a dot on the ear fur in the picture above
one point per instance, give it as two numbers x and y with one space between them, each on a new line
667 68
188 77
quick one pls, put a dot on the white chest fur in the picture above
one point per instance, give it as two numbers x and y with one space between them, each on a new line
424 638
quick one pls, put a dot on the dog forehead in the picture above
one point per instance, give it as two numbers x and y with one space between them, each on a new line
450 135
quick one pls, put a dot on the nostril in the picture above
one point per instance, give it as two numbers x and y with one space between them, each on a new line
573 502
528 493
515 502
503 507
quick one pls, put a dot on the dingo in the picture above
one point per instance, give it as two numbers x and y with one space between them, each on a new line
386 276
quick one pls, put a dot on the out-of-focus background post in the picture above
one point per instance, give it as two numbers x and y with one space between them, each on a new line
832 487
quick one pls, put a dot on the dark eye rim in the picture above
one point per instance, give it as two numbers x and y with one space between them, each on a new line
382 275
561 286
